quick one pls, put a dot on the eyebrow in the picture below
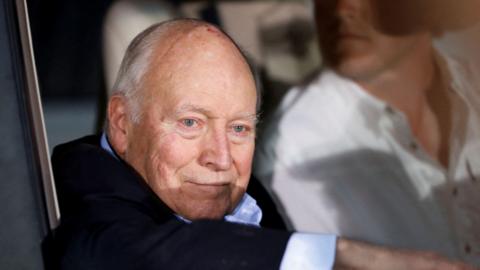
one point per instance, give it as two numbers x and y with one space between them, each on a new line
193 108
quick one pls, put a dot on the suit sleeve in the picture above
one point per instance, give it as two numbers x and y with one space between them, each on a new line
111 219
135 241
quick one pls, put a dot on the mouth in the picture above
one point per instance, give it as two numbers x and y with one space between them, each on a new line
200 189
350 40
208 179
347 30
207 183
207 186
348 34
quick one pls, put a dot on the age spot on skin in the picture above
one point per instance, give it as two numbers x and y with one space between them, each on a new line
213 30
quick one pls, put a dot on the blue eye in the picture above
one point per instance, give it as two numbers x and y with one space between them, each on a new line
189 122
241 133
239 128
190 128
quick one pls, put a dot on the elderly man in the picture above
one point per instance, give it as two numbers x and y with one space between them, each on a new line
165 189
383 145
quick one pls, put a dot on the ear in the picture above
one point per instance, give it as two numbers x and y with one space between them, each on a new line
118 124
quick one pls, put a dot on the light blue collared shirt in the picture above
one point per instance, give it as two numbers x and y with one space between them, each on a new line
304 251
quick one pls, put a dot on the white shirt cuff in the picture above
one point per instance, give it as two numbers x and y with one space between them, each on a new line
308 251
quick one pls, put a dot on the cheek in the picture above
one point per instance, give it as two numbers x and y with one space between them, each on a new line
242 156
171 155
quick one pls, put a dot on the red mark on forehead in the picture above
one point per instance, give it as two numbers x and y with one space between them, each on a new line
213 30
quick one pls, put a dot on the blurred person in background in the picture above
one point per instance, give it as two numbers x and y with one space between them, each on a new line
384 144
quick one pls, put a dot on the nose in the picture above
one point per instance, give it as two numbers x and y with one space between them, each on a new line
216 153
347 8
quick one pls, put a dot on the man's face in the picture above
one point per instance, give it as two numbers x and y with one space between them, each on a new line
352 42
195 140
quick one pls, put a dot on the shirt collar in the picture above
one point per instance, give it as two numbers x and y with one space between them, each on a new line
106 146
246 212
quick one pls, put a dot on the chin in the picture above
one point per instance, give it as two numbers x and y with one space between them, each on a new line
210 211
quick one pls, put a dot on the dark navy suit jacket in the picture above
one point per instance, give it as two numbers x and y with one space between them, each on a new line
110 219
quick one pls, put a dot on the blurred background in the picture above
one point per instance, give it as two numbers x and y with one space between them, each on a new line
78 46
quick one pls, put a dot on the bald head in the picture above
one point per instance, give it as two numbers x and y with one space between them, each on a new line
163 49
